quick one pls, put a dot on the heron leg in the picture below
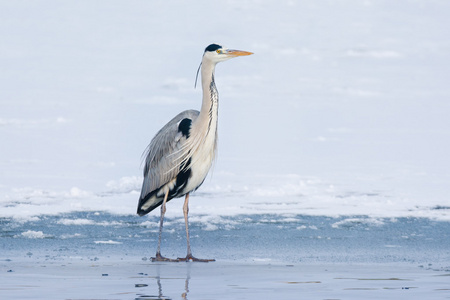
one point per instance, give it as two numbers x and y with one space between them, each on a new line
189 252
158 256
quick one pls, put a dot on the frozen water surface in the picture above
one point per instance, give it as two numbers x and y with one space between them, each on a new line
128 279
271 238
331 180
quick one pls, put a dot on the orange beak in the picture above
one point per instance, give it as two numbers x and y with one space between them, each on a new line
238 53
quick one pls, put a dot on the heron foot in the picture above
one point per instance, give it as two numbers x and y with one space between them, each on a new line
189 257
159 257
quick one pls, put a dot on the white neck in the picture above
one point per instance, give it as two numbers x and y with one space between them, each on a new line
207 120
203 136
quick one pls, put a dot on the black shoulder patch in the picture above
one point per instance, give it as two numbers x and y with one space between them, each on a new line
185 127
213 47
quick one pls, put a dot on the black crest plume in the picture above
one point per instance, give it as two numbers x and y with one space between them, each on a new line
212 47
196 76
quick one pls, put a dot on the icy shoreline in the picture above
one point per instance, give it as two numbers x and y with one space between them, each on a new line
286 238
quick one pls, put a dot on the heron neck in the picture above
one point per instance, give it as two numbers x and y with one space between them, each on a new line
210 102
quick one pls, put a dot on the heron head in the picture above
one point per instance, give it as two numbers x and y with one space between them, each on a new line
217 53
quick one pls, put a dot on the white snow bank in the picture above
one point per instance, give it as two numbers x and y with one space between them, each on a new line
31 234
232 194
342 110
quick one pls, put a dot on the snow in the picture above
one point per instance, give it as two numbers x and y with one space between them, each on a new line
31 234
346 110
335 132
110 242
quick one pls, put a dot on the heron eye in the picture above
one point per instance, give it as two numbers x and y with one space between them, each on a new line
219 51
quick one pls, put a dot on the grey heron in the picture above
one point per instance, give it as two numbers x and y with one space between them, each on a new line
181 153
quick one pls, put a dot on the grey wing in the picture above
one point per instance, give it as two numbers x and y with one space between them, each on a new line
162 163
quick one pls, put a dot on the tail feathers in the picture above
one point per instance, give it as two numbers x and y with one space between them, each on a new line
148 203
